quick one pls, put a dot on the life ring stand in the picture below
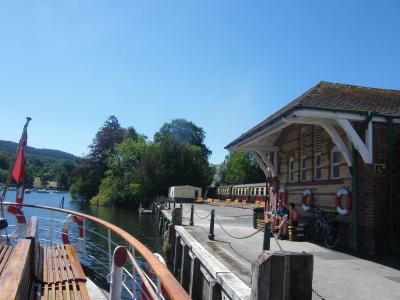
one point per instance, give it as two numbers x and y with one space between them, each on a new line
307 199
339 194
283 195
65 228
21 222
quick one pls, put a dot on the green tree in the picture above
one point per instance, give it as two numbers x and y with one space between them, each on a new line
240 167
183 131
89 174
170 163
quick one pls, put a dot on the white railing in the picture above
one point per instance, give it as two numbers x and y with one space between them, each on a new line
141 276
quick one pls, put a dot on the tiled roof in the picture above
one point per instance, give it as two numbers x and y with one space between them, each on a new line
337 96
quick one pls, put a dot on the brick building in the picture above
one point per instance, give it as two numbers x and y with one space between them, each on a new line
337 137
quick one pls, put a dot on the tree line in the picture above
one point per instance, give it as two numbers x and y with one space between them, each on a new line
43 169
124 167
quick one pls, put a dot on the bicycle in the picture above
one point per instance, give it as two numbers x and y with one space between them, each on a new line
324 228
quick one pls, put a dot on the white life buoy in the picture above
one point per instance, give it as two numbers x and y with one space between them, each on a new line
20 227
65 228
339 194
307 199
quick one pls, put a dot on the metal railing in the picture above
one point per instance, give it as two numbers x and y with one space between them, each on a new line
141 276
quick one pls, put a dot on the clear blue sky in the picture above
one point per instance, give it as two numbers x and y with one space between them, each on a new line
226 65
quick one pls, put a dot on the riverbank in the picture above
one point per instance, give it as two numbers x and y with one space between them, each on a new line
336 275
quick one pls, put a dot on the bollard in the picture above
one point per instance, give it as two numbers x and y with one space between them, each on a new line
181 203
119 258
267 231
191 223
211 232
173 216
174 204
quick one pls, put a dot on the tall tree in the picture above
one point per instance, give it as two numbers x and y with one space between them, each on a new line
183 131
92 170
239 168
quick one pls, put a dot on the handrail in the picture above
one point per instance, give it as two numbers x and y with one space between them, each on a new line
168 281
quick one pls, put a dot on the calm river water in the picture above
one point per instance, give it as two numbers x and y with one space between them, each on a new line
142 227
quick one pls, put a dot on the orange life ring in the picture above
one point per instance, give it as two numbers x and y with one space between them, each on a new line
307 199
340 193
283 195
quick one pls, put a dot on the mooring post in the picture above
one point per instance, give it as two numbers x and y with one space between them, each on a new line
267 231
211 232
191 223
119 257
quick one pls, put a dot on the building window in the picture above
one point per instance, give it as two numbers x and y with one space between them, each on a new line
317 153
303 157
291 170
335 163
256 191
318 167
303 168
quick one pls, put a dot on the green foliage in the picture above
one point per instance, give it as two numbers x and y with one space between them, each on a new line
127 170
240 167
91 170
47 169
183 131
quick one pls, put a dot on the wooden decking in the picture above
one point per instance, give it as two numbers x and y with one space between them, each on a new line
62 276
31 271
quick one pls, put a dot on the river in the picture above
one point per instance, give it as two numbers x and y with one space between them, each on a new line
142 227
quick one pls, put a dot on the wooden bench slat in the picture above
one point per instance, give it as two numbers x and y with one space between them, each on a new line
16 271
67 264
5 255
83 291
75 290
75 264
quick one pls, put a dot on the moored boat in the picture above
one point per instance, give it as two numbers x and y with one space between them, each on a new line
42 191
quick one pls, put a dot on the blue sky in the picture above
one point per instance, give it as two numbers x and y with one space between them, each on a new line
225 65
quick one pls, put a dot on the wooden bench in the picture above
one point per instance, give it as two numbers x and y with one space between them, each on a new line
62 276
199 200
215 202
16 279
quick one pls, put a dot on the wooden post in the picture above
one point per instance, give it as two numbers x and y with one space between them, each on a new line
185 267
195 286
282 275
177 256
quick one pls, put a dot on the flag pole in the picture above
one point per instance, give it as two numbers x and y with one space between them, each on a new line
3 196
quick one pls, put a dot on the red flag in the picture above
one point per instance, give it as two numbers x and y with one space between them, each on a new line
18 171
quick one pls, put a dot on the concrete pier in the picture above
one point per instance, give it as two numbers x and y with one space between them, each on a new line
225 268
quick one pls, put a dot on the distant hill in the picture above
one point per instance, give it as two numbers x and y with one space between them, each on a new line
11 147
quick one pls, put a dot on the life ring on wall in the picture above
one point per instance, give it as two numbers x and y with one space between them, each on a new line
340 193
283 195
307 199
64 232
21 222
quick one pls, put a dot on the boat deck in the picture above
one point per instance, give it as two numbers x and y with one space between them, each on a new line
31 271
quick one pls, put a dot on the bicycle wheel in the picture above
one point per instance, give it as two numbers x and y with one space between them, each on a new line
332 237
315 232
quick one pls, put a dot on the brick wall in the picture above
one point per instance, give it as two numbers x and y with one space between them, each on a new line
373 188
